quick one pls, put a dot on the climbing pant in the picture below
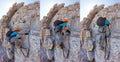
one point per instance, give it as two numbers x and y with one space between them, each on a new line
101 29
102 41
58 38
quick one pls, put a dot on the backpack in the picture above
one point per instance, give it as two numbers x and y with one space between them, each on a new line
57 22
101 21
8 33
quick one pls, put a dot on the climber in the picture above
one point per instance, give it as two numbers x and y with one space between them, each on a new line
103 24
13 35
61 25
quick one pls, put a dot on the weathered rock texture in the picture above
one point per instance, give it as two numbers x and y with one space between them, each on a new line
91 47
27 18
50 49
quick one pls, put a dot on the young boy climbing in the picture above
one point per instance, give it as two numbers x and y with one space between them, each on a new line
13 36
103 24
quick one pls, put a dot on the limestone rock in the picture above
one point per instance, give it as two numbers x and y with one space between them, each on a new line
110 52
6 18
3 54
28 19
66 47
13 9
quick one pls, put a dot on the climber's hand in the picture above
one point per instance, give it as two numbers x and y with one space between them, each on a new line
19 38
68 31
26 33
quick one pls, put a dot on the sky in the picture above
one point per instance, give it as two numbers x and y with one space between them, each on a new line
6 4
87 5
45 5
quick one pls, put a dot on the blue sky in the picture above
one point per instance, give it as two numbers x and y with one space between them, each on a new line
87 5
45 5
6 4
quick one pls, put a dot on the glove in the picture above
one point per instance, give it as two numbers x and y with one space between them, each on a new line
68 31
26 33
19 38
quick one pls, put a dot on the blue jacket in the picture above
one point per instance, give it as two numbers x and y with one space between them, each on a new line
107 22
62 25
13 34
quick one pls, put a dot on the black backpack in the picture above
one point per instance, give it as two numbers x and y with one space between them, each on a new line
101 21
8 33
57 22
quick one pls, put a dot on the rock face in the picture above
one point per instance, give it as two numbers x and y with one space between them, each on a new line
92 45
50 47
27 18
82 45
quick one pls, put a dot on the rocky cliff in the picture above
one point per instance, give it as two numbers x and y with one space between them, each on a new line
91 38
55 47
26 17
82 45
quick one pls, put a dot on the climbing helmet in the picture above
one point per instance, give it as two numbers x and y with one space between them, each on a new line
16 29
65 20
